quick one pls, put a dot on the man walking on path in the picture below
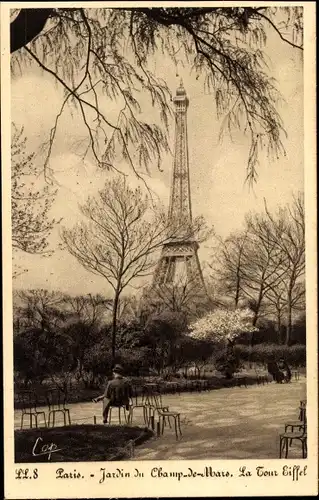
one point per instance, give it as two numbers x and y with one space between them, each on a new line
118 392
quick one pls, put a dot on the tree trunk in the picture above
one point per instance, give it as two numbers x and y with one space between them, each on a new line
237 288
289 320
236 298
252 337
279 326
114 323
256 314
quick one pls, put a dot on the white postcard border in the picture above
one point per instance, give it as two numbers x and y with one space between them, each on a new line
46 485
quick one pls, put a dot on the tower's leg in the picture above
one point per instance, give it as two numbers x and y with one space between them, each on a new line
161 271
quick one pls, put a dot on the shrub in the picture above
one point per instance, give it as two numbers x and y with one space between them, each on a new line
136 362
97 363
228 362
243 352
40 354
296 355
265 353
84 336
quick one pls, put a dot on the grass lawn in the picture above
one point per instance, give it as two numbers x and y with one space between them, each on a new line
76 443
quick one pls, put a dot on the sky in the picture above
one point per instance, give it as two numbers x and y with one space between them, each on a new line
217 169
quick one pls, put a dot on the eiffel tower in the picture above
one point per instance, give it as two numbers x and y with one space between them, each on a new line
179 257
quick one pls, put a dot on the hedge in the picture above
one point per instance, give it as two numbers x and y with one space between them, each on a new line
264 353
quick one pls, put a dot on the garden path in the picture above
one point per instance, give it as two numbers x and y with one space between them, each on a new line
229 423
236 423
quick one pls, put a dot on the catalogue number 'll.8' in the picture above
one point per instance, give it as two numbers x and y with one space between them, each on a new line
26 474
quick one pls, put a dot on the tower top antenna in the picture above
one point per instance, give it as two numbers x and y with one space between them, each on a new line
181 89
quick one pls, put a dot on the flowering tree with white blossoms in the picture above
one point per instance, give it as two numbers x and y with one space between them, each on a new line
223 325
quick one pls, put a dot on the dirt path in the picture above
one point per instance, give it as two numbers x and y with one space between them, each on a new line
233 423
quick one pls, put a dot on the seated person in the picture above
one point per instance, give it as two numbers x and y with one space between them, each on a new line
283 365
275 372
118 392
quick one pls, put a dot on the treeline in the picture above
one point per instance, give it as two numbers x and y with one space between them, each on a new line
263 267
59 338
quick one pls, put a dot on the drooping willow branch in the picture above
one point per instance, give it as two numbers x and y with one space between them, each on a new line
224 45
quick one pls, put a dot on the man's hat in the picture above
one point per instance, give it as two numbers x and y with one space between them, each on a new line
118 369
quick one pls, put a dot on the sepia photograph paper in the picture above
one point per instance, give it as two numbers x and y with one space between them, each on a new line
159 249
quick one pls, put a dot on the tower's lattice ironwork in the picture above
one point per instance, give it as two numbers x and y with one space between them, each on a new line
179 255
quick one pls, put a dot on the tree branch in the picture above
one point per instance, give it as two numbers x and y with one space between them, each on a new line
272 24
26 26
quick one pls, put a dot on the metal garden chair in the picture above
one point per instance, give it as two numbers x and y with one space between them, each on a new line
138 402
57 401
123 408
287 439
154 405
166 416
29 408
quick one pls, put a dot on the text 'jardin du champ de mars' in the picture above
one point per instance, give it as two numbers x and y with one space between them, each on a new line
292 472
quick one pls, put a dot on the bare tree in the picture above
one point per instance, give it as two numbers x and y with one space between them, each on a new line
228 263
181 296
264 265
40 308
129 308
263 262
276 299
93 53
120 237
291 242
249 265
31 201
88 308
